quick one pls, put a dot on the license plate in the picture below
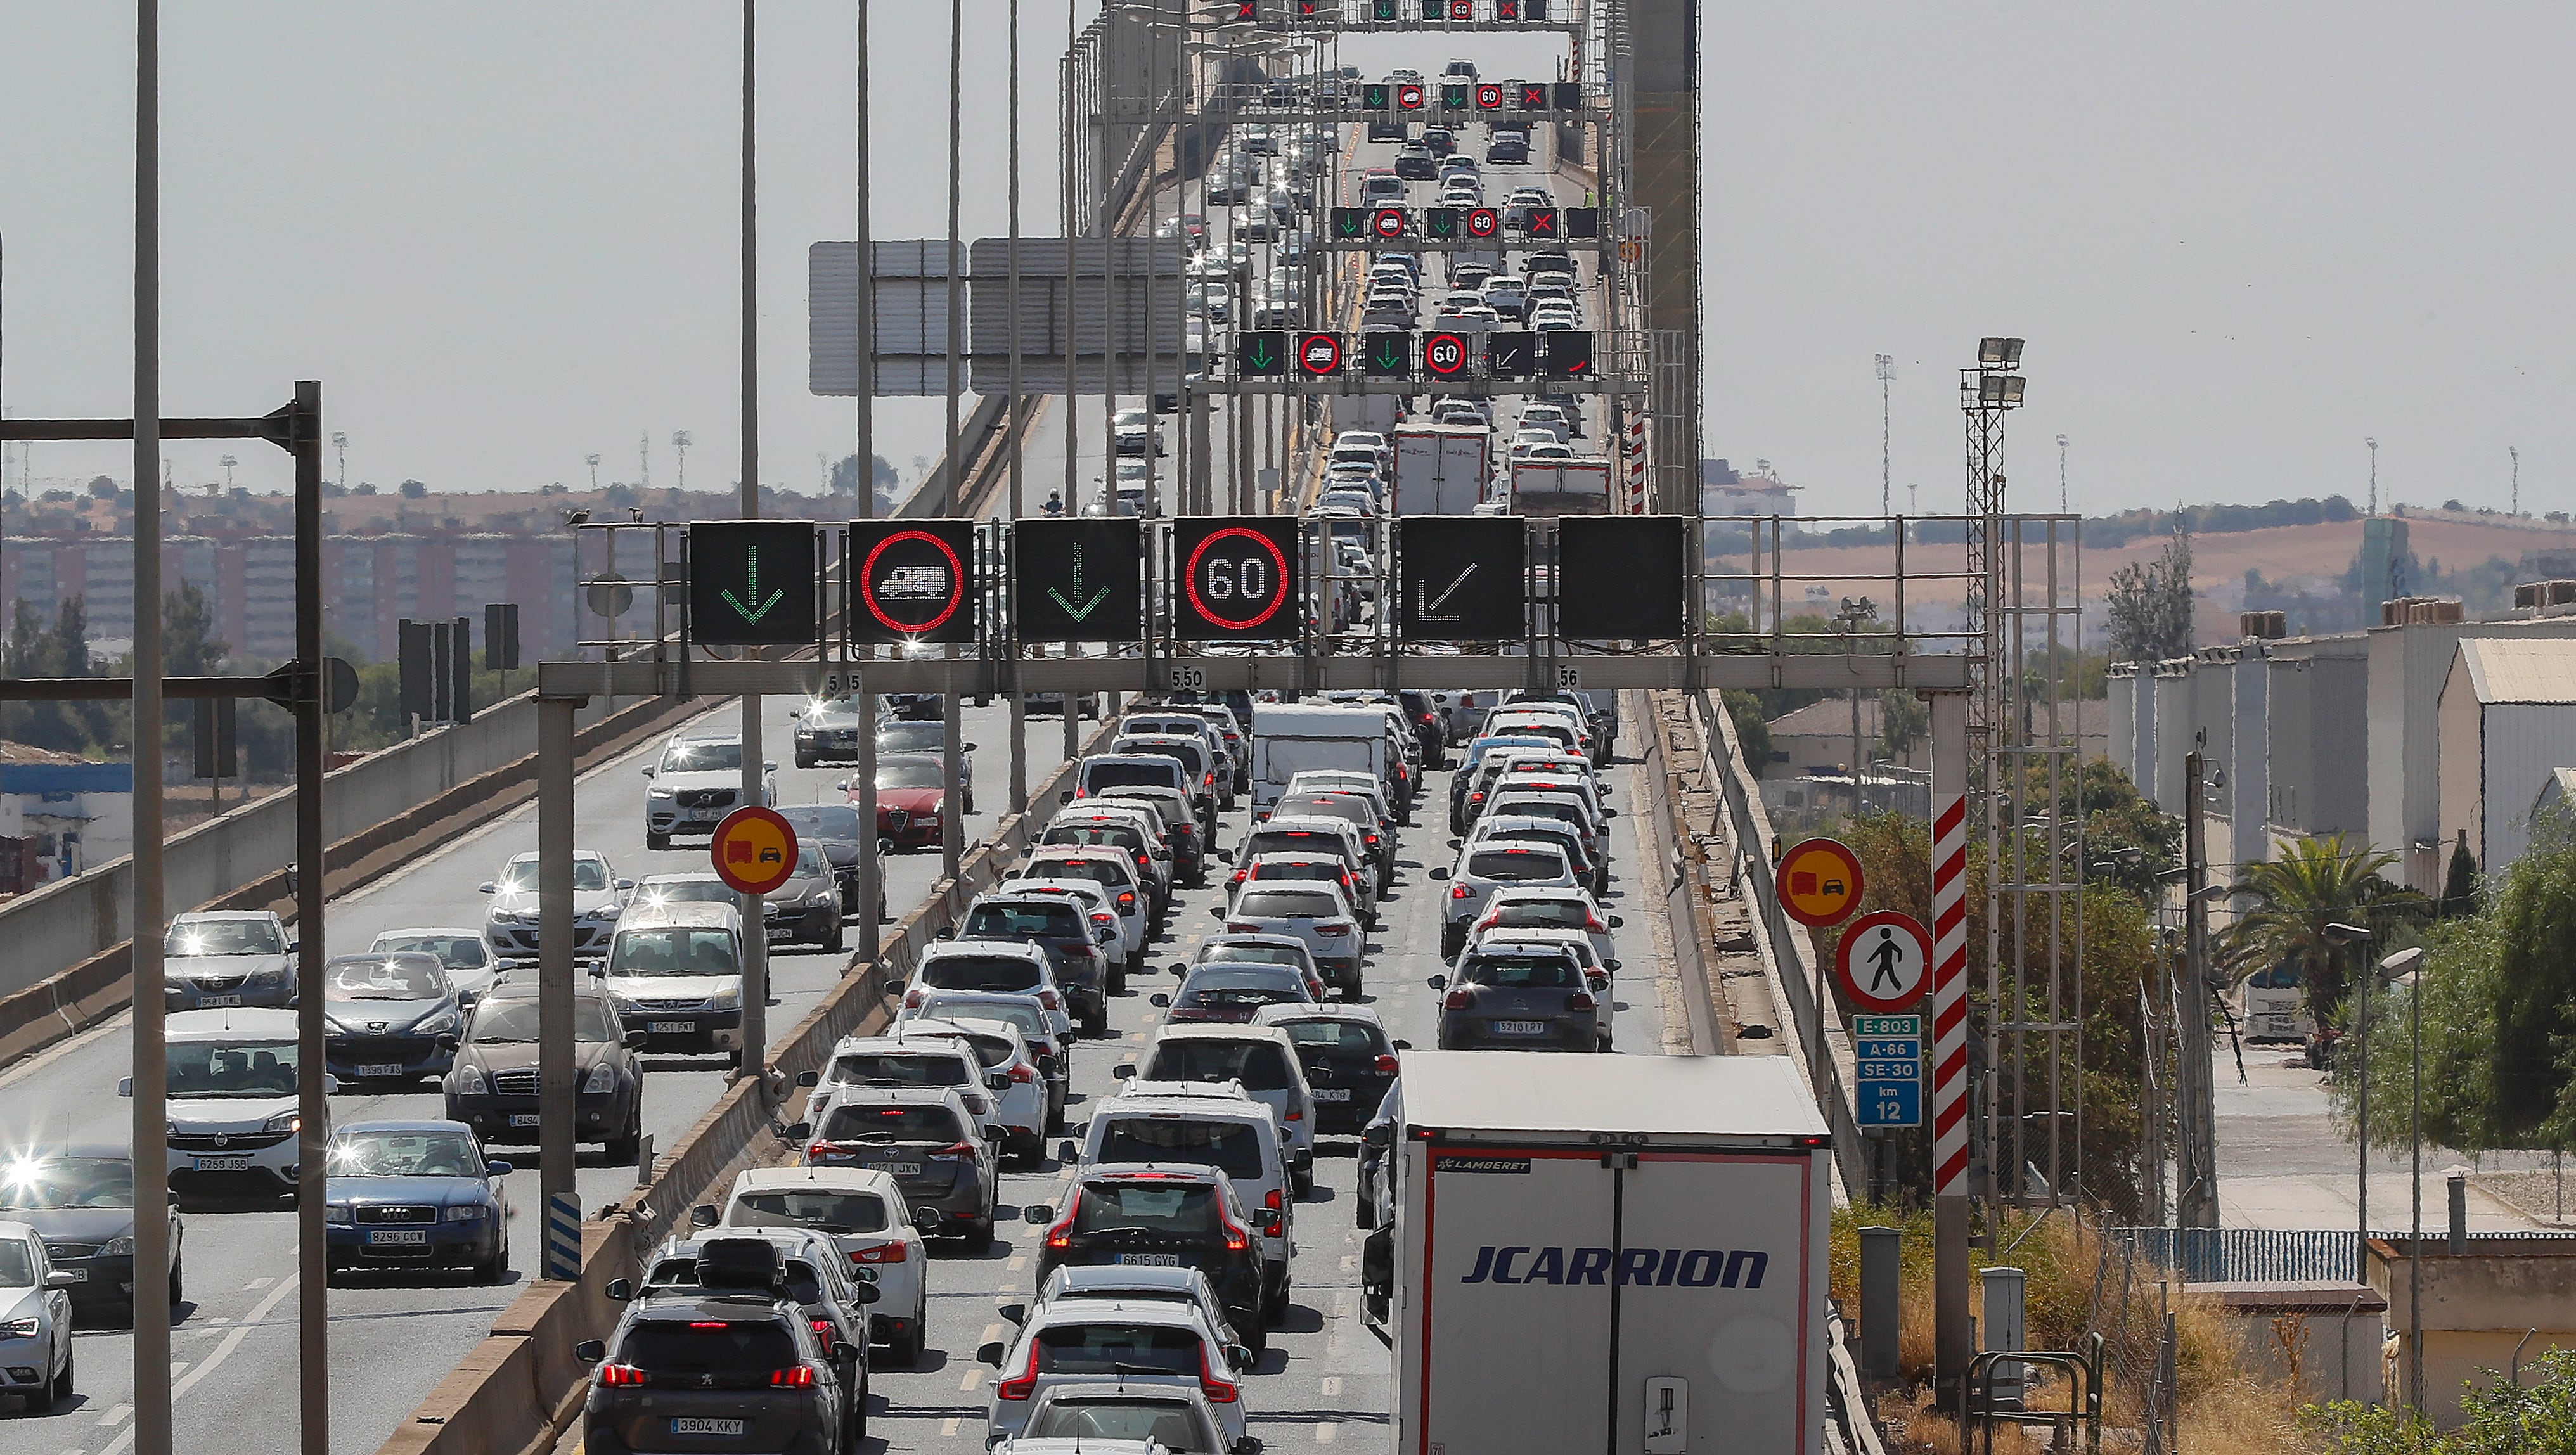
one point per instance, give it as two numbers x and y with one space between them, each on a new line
217 1002
397 1237
900 1169
671 1028
1520 1028
76 1275
1333 1093
776 933
382 1068
523 1119
1150 1260
700 815
686 1425
223 1164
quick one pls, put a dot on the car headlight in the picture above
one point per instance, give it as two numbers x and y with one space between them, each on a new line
465 1214
333 1026
285 1121
117 1247
337 1212
469 1081
444 1023
657 793
729 998
19 1329
602 1081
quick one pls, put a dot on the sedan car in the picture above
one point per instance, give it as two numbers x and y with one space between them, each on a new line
1232 991
1136 431
1348 1057
910 801
493 1086
1511 996
389 1017
471 969
80 1201
827 730
598 897
227 958
930 738
416 1194
35 1322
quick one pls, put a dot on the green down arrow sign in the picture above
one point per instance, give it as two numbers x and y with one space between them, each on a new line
751 583
1264 353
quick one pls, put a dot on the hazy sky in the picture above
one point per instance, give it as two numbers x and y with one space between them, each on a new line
2238 238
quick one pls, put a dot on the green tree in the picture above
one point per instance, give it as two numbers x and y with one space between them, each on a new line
2460 884
2316 882
1903 720
2150 605
2534 924
1752 730
2531 1414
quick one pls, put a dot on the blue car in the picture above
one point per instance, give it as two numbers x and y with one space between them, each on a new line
416 1195
389 1016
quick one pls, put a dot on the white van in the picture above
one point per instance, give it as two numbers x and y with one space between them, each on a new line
233 1108
674 972
1290 738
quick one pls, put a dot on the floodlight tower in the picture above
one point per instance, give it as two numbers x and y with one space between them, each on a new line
1987 393
593 462
340 442
1886 379
680 442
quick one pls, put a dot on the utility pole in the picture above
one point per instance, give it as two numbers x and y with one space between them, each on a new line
644 461
1886 399
755 958
2196 1172
952 799
2516 452
871 864
151 1050
591 460
1019 487
680 442
2373 442
340 443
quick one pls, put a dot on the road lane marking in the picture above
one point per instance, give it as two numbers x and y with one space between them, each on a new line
991 1332
1324 1433
207 1365
1018 1262
256 1284
1329 1385
115 1413
974 1377
948 1426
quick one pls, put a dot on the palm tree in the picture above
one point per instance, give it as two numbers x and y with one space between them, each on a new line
2315 883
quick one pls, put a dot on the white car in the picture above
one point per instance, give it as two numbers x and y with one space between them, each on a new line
863 1212
695 784
223 958
1013 1084
35 1322
598 898
1481 871
1142 1345
1312 910
1114 871
233 1110
1105 1417
1262 1058
674 973
471 968
1006 967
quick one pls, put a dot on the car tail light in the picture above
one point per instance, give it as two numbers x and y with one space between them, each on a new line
1239 876
1372 838
956 1149
1217 1390
1457 891
912 1000
1580 1001
1295 1115
1126 898
1593 923
1023 1074
1333 930
1027 1382
1232 928
1081 792
1237 1236
1103 917
897 1251
1273 1201
822 1329
1209 778
824 1149
1144 860
1457 1000
620 1374
1476 797
799 1377
1386 1066
1061 1234
1050 1000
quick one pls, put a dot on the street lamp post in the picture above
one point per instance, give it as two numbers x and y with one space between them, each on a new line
2411 962
2344 934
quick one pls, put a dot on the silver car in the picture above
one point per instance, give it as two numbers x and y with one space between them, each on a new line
216 960
471 968
35 1321
598 898
1312 910
1483 869
1519 996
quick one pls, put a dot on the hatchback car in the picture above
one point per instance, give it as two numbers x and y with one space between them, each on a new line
864 1213
1260 1059
1004 967
217 959
471 970
1082 1415
1483 870
1141 1344
1522 997
808 1272
1059 927
724 1372
927 1141
1040 1043
598 898
1017 1098
493 1086
1232 991
79 1199
1159 1219
912 807
415 1195
1348 1058
1553 909
389 1016
35 1322
1314 912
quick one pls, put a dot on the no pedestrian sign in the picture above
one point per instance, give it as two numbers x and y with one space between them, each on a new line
1885 962
1819 883
754 849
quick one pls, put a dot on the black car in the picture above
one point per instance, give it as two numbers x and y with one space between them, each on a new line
1415 163
1146 1213
1420 711
1348 1059
80 1201
834 829
734 1371
1062 929
805 1268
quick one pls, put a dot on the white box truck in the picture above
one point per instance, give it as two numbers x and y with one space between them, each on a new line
1289 738
1560 487
1625 1254
1441 469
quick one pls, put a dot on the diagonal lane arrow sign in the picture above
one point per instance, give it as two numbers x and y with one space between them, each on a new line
1427 609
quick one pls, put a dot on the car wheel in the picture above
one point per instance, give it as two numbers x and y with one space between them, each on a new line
804 760
1096 1023
905 1348
1118 978
656 841
64 1382
1274 1303
834 941
178 1282
979 1236
495 1269
624 1150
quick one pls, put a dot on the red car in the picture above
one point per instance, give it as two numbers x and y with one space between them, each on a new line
910 800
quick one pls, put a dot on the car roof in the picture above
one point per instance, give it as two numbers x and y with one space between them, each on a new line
215 1025
945 1027
1220 1031
711 1307
922 1095
848 1179
1166 1171
982 949
1270 1015
476 935
1249 937
402 1124
682 914
214 916
1126 1311
893 1042
1075 1278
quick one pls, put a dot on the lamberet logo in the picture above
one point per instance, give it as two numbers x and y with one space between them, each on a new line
1485 1164
1641 1267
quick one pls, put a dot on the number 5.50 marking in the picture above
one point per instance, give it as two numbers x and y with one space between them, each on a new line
1188 679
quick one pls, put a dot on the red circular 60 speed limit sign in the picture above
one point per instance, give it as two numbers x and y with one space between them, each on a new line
1444 353
1233 588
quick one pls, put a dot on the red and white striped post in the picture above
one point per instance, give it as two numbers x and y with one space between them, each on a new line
1953 1337
1636 450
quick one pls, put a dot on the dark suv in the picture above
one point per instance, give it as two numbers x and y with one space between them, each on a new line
1063 930
1149 1213
736 1371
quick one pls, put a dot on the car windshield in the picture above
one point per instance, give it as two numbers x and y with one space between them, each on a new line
406 1154
458 951
1508 864
1553 914
1091 869
1522 972
1352 1036
912 737
224 937
66 1182
701 757
1175 1427
1231 1147
981 972
1019 921
900 1068
908 773
1287 904
709 890
820 1209
916 1122
384 977
588 876
1118 1348
823 821
1098 775
1257 1064
677 950
246 1069
746 1349
17 1264
1187 1208
502 1022
810 863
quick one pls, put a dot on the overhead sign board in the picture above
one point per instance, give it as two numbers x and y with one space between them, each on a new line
1884 962
1511 353
1078 580
1261 354
1446 354
1387 354
751 582
1819 883
1621 577
754 849
1237 578
1319 355
911 581
1462 578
